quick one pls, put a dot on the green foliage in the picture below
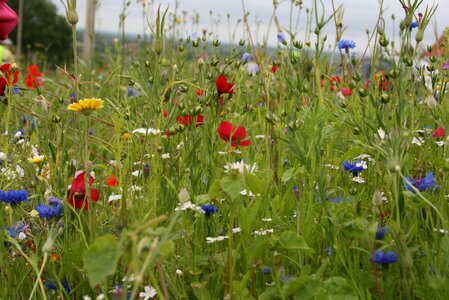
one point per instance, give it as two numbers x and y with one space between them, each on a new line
45 32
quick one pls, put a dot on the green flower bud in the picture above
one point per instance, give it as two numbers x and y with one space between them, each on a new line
216 42
72 16
158 45
419 36
384 98
242 42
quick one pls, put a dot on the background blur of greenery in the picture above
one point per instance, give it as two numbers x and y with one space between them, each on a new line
45 33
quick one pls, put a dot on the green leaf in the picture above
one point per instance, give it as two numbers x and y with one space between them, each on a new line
101 258
253 183
214 189
232 185
288 175
166 248
303 287
290 240
202 199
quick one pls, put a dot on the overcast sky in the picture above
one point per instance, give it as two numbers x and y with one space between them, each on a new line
359 15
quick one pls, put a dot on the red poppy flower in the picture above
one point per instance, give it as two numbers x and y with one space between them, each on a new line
346 92
200 92
33 77
438 133
164 113
274 68
111 180
8 76
235 134
187 120
77 193
222 85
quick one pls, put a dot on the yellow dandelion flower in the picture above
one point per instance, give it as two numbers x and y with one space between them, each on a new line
37 159
86 106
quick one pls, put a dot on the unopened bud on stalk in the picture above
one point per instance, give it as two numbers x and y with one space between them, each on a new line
419 36
216 42
72 16
298 44
242 42
408 20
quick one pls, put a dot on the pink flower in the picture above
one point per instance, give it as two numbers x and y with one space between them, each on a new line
346 92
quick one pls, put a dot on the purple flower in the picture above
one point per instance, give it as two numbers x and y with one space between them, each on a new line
281 38
265 270
14 196
14 231
346 45
53 210
246 56
421 184
355 167
381 231
445 66
209 209
384 258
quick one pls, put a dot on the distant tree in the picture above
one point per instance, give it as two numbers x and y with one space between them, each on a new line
44 31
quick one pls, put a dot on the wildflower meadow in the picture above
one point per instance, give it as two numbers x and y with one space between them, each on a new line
183 167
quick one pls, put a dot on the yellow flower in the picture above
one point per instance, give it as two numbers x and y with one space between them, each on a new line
34 213
86 106
37 159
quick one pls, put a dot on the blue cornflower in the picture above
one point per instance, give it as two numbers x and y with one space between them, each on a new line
209 209
413 25
281 38
14 231
265 270
13 196
246 56
329 251
53 210
381 231
384 258
336 200
133 93
146 170
356 167
90 132
346 45
51 286
15 90
421 184
252 68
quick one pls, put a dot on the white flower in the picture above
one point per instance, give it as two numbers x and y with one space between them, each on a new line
418 141
136 173
241 167
128 279
266 220
100 297
113 197
189 206
87 297
358 179
211 240
2 156
147 131
361 164
18 134
381 133
150 292
440 143
180 146
263 231
260 136
236 230
332 166
443 231
165 156
183 195
179 272
365 156
21 236
136 188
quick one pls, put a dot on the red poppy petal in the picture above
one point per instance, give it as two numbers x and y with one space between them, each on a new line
239 133
224 130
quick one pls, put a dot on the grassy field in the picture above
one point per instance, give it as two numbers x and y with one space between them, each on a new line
180 171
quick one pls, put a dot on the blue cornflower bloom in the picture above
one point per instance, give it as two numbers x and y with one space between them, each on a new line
384 258
52 287
421 184
381 231
265 270
133 93
14 231
356 167
246 56
281 38
336 200
346 45
13 196
209 209
413 25
90 132
15 90
329 251
53 210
